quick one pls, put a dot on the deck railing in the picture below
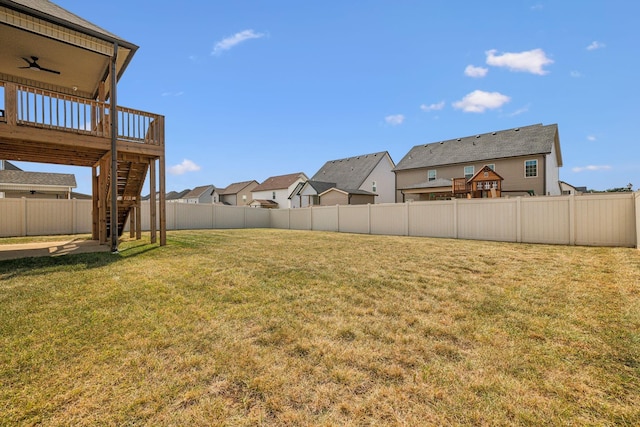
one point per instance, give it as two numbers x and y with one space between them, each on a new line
460 186
51 110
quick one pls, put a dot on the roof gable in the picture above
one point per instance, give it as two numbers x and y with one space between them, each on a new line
198 191
350 172
236 187
280 182
524 141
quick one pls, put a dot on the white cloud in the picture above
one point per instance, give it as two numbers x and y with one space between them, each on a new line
520 111
234 40
537 7
473 71
591 137
591 168
186 166
478 101
596 45
432 107
173 93
575 74
395 119
531 61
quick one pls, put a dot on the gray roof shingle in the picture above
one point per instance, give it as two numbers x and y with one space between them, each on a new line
37 178
64 17
350 172
523 141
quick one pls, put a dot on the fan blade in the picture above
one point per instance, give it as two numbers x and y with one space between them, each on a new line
49 71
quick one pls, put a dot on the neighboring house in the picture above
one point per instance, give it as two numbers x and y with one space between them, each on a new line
238 193
16 183
528 159
278 188
567 189
202 194
363 179
172 196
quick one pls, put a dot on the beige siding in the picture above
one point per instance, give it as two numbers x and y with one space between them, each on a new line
512 170
333 198
361 199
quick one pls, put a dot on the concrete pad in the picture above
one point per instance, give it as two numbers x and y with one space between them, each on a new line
40 249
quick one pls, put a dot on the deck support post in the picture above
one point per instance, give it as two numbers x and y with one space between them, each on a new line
114 151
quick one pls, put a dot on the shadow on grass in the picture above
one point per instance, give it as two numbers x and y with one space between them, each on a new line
34 266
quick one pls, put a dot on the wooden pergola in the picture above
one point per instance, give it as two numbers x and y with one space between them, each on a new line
58 76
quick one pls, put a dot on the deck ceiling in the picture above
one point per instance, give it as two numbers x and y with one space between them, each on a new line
61 41
79 68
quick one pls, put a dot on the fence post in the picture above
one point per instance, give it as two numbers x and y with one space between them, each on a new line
369 218
406 218
455 218
74 216
519 219
311 217
24 216
637 219
572 219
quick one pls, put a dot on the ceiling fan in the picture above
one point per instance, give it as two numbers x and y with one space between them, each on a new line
33 65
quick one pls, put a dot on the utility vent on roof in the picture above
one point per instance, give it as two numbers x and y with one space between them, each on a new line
477 136
459 139
493 133
441 142
517 129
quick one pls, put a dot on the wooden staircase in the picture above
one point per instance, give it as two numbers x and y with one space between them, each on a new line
130 179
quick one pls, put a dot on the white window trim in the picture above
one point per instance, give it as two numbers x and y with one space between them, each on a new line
435 174
525 168
473 171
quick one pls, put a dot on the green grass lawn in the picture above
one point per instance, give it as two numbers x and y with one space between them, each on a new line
272 327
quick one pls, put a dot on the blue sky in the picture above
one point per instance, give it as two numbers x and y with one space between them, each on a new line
252 89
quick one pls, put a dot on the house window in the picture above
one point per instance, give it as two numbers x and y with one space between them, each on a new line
431 175
492 166
373 186
530 168
468 172
273 195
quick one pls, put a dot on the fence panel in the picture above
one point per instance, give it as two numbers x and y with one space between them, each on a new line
390 219
49 217
432 219
279 218
12 221
354 219
256 218
493 219
229 216
546 220
325 218
300 219
606 220
593 220
192 216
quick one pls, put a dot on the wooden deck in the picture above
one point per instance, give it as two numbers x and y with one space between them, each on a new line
47 127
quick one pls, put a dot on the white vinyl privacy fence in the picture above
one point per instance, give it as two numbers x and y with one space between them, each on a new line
591 220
